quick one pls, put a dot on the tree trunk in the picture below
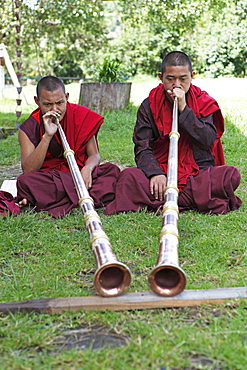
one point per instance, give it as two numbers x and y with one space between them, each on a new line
104 96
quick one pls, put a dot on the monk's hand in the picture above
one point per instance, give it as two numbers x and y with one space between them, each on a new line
157 186
49 119
86 173
180 94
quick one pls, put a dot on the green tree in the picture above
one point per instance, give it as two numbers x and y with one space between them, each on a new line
54 33
72 37
152 28
222 43
211 32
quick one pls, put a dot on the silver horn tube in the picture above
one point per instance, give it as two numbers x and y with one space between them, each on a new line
167 278
112 278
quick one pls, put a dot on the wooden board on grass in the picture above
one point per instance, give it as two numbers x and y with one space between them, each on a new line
128 301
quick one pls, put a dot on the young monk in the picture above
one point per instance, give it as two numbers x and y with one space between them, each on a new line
205 183
47 182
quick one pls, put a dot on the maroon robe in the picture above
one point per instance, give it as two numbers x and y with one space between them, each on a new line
207 189
51 188
7 204
211 191
54 191
203 105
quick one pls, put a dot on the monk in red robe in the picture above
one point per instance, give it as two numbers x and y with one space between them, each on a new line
205 183
47 183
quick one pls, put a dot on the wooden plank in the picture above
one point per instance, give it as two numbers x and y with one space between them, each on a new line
128 301
11 69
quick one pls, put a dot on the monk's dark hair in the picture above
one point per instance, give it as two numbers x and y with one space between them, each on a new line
49 83
176 58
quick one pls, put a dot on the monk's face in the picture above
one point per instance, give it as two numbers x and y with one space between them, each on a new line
176 77
52 101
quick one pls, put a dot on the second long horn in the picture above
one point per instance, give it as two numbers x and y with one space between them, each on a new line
167 278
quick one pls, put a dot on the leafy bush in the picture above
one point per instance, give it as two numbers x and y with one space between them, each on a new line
110 71
67 68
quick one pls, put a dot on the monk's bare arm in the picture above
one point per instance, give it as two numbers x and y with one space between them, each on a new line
32 158
92 161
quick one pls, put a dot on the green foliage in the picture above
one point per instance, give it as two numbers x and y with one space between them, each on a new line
9 150
115 137
153 28
109 71
51 30
221 43
68 38
67 67
211 32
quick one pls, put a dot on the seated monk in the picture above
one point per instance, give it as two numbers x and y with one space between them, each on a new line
205 183
46 182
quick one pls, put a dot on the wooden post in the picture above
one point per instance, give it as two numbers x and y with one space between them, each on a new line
104 96
11 68
2 79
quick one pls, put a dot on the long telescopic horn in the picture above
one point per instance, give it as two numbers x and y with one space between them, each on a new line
167 278
112 278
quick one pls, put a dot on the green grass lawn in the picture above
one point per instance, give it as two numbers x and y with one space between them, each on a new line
43 257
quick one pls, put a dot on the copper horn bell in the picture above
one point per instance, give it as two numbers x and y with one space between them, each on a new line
167 278
112 278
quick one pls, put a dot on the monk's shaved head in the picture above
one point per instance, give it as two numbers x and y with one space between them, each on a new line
49 83
176 58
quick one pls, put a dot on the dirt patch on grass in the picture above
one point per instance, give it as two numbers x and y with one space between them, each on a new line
10 172
94 337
